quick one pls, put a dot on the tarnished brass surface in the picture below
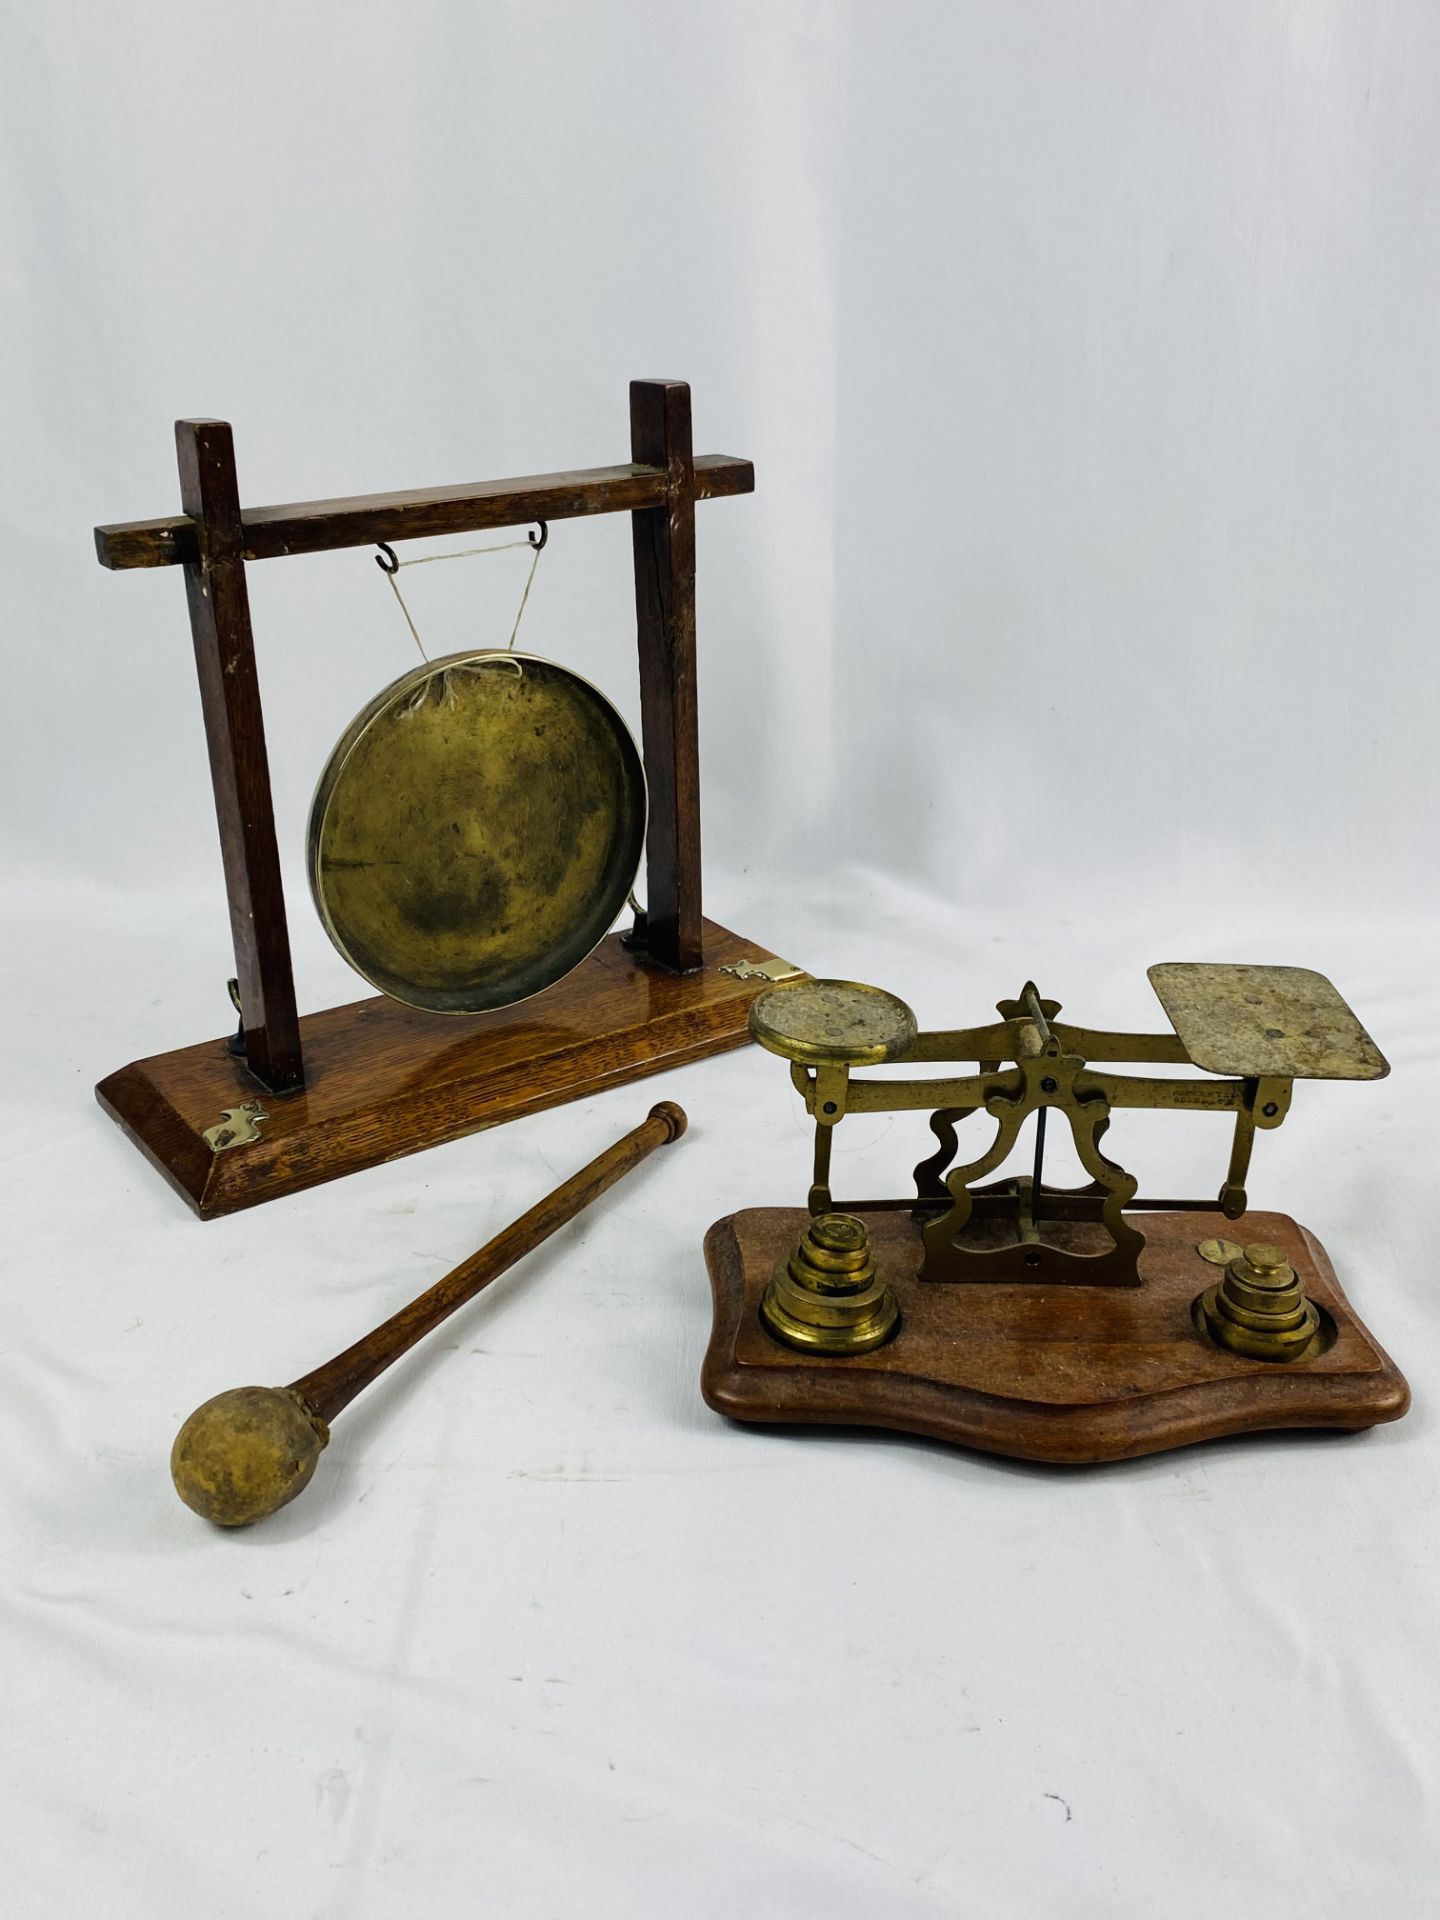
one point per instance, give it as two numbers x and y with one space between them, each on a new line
1038 1083
827 1297
773 970
1259 1308
476 831
1219 1253
1286 1022
245 1453
1031 1063
236 1127
832 1023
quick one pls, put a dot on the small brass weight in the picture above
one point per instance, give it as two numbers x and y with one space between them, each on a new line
994 1308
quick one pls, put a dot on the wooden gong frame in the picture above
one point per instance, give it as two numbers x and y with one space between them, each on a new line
297 1099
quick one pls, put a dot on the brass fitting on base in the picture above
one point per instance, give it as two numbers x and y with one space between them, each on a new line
828 1297
1259 1309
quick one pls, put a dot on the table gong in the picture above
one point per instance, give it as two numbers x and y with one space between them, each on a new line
1072 1325
293 1100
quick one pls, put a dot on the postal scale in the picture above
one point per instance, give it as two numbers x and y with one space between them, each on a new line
1071 1325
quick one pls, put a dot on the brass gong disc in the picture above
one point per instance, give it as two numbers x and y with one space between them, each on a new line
476 831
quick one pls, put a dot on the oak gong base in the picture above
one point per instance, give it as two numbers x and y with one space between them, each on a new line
1070 1374
383 1080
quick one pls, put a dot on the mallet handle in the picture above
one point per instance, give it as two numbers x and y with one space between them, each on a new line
332 1387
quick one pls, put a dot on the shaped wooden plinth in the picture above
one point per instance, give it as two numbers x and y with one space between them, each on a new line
384 1080
1069 1374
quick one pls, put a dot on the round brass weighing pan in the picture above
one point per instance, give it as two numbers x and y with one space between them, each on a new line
822 1023
476 831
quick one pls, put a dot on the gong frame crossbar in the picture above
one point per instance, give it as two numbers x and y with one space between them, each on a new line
213 540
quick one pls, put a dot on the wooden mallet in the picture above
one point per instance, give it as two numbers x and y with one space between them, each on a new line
249 1451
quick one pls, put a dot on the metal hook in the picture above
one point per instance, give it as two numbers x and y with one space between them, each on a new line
539 544
385 559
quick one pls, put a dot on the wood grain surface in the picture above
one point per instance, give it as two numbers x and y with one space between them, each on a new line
385 1080
664 544
317 526
1072 1375
239 766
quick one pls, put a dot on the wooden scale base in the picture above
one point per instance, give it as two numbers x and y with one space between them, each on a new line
383 1080
1069 1374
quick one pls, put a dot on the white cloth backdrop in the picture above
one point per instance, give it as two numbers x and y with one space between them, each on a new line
1083 616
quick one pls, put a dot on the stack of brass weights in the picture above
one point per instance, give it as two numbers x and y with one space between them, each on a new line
827 1297
1259 1308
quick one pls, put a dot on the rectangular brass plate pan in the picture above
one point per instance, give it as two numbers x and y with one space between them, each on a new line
1282 1021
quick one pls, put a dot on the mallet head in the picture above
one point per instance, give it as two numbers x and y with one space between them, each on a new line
246 1453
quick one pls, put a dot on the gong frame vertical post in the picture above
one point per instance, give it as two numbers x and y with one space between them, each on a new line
239 765
664 540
